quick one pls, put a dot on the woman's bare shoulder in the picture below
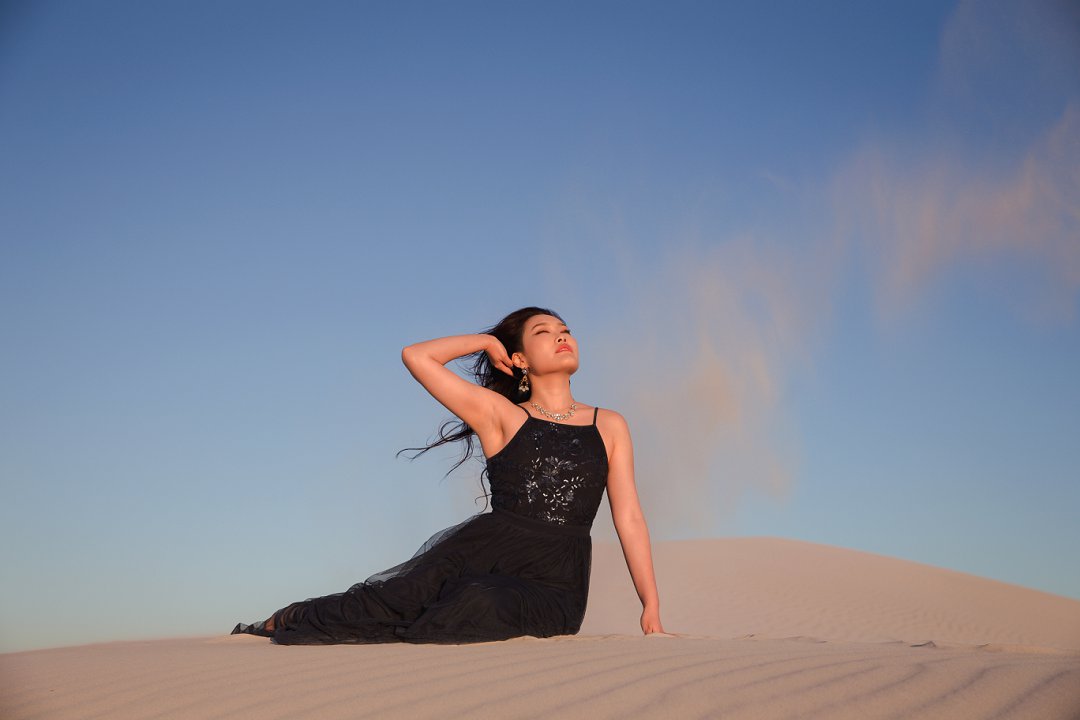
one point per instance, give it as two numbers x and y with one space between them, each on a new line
612 426
610 417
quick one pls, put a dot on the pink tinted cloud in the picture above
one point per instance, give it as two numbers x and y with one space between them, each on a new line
921 217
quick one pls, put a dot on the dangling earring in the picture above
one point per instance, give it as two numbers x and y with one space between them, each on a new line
523 386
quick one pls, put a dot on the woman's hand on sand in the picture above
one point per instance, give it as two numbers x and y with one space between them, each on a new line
650 621
499 359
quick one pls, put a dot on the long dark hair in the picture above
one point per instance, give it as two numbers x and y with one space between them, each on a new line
509 331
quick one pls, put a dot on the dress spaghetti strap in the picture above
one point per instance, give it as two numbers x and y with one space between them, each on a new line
524 411
595 410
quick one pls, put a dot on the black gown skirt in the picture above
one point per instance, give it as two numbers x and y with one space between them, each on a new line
494 576
521 569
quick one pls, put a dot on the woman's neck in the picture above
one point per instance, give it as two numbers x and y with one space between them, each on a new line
553 396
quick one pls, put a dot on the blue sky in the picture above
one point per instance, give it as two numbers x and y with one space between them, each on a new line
825 259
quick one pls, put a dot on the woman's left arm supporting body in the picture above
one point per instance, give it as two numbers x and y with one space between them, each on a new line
630 523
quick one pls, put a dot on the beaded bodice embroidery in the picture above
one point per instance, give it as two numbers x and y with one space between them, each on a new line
551 471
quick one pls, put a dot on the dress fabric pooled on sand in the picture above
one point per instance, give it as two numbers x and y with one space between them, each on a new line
521 569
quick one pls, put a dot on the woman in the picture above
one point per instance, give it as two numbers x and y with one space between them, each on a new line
523 568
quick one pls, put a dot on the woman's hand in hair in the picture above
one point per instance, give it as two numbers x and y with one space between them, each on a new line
499 358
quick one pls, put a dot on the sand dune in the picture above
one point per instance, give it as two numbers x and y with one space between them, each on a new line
768 628
778 588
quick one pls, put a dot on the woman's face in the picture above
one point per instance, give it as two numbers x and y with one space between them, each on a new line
549 346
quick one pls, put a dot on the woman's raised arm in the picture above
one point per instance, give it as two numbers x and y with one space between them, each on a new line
474 404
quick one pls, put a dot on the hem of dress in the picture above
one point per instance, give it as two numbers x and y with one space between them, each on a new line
460 639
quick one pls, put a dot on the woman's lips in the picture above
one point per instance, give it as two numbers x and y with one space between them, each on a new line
564 348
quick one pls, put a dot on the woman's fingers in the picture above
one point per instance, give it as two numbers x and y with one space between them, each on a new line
650 621
499 358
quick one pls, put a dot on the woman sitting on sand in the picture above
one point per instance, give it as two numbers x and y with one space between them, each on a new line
523 568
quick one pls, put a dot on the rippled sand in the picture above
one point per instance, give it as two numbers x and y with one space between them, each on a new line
762 628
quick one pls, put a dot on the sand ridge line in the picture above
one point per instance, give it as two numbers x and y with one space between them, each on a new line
556 663
616 677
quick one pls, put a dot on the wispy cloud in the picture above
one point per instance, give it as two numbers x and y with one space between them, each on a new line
921 218
702 361
711 328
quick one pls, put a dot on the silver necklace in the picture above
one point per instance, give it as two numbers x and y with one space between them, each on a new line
557 416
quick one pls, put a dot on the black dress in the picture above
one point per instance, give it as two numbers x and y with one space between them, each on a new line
521 569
